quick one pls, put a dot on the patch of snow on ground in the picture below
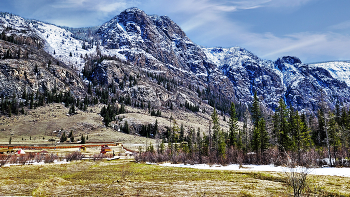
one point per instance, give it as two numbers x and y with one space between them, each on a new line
37 163
345 172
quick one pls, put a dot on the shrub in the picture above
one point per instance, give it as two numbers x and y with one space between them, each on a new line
74 156
50 158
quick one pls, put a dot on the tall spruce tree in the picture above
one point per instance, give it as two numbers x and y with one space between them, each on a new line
281 127
233 124
260 138
216 128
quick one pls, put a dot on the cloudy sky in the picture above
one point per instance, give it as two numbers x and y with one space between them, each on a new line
313 30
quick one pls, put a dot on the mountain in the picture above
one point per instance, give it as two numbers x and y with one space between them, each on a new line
25 65
170 67
300 85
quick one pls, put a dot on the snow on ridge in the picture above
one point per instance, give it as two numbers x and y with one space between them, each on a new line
338 69
61 45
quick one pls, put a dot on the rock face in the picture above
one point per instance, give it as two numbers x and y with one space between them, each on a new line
299 84
156 44
25 65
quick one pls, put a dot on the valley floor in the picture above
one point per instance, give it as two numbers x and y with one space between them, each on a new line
125 177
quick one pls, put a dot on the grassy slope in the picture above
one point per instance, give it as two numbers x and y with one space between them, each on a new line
116 178
42 121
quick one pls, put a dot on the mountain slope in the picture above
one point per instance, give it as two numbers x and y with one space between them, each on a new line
298 84
26 66
157 45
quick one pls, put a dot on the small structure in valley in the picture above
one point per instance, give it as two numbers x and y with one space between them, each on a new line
105 149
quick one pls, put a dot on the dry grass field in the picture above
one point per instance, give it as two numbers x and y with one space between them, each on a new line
124 177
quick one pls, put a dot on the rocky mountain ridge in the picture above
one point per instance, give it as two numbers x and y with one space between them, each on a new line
156 44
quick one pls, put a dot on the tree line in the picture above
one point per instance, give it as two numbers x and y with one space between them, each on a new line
286 136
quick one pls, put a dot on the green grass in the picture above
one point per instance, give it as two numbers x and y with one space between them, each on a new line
124 177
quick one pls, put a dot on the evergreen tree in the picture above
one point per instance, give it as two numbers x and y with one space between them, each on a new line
319 135
24 94
70 134
216 128
89 88
182 132
256 114
156 128
63 137
334 133
82 139
174 136
126 128
72 109
233 124
264 136
305 133
221 145
260 139
281 127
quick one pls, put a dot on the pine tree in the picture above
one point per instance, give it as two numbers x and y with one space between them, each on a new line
24 94
305 133
70 134
156 128
256 114
82 139
72 109
126 128
233 124
182 132
89 89
319 135
260 139
334 133
221 145
63 137
264 136
216 128
281 127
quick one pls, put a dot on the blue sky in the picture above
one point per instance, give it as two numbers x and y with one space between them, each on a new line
313 30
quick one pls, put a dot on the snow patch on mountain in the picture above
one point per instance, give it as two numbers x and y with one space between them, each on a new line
338 69
12 21
61 44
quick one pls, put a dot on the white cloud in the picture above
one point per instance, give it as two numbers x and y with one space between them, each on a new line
93 5
341 26
288 3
